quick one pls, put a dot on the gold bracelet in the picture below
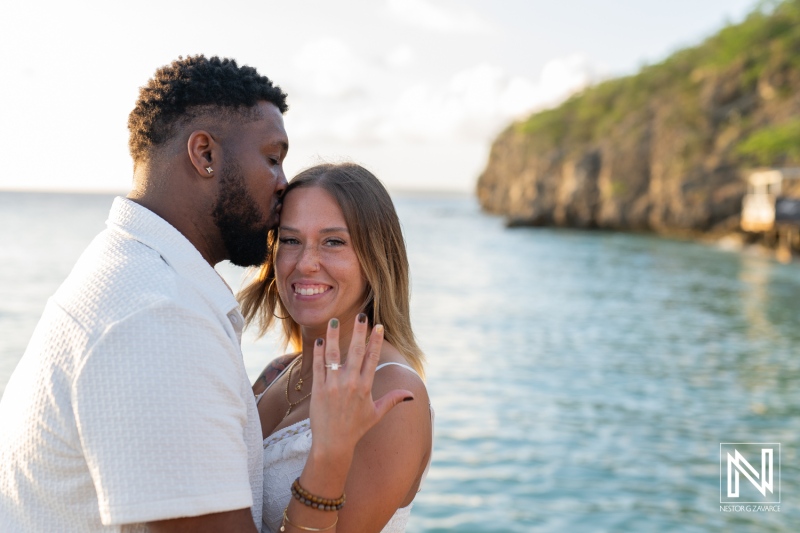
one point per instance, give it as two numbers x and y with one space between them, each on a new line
287 521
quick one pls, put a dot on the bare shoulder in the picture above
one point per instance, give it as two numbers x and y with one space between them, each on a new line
272 371
395 377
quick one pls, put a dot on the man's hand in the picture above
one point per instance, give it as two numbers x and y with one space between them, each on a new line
228 522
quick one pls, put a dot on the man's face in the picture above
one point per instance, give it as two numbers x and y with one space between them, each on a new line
251 185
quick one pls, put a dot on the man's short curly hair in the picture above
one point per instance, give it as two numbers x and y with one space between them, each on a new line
190 87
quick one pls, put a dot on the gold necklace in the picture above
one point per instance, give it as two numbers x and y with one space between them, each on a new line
288 381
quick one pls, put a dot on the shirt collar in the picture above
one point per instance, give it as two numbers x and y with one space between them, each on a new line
154 232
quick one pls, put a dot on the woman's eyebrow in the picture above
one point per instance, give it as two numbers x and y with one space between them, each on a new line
325 230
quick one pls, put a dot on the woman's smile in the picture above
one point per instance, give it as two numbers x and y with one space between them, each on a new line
306 289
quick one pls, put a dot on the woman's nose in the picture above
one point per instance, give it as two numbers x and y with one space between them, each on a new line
309 260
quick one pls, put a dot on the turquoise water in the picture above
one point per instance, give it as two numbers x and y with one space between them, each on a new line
582 380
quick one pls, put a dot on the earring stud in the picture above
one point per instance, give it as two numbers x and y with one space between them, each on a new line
209 170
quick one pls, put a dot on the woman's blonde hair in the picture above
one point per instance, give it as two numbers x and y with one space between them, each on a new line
378 243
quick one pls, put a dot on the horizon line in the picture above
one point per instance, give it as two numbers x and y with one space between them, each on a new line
121 192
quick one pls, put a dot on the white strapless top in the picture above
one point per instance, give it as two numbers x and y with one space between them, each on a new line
285 455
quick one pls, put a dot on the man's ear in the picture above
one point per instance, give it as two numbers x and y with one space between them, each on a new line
204 151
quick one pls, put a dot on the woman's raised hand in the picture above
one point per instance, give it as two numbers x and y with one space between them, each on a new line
342 411
342 408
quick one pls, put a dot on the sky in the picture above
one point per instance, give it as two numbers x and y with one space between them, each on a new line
415 90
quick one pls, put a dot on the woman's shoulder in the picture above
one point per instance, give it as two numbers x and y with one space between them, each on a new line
272 371
395 371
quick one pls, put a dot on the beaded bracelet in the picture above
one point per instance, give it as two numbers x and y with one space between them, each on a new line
316 502
304 528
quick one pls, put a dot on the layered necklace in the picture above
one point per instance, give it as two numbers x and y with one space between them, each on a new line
298 387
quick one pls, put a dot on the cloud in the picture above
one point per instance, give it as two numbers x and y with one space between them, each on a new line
400 56
559 78
328 68
426 14
479 101
472 105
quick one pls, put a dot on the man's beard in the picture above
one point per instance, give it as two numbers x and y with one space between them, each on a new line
236 214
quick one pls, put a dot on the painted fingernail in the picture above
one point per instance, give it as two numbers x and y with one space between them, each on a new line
408 398
334 323
379 329
362 318
319 341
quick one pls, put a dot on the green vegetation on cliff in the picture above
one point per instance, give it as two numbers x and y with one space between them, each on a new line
772 143
665 149
765 47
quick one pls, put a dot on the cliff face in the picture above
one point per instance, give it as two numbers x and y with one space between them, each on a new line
666 150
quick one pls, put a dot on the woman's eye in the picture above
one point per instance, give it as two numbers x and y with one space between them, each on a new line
288 240
334 242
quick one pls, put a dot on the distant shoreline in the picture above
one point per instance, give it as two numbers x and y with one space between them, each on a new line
444 193
65 192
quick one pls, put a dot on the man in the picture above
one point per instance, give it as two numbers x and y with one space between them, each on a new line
131 405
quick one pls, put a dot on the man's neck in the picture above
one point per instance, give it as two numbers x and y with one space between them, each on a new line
183 211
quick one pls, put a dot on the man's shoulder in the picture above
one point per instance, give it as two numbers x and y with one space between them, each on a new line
115 277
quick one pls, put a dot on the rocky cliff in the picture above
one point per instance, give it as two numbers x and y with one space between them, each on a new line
665 150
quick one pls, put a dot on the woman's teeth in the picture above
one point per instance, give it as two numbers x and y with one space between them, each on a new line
310 291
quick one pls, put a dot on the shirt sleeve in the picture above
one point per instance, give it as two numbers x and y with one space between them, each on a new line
161 417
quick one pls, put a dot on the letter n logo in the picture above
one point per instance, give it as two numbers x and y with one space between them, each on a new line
734 465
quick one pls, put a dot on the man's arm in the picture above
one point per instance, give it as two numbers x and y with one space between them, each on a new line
162 419
230 521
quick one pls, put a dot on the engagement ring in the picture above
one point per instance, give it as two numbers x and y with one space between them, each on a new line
333 366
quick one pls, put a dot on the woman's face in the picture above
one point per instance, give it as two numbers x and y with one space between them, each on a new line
318 274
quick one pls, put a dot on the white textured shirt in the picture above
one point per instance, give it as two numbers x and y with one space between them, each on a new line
131 402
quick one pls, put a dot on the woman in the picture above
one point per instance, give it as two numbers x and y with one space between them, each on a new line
340 268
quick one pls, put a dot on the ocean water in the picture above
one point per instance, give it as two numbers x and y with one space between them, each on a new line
583 381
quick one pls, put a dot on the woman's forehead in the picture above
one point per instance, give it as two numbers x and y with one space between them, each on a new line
306 207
